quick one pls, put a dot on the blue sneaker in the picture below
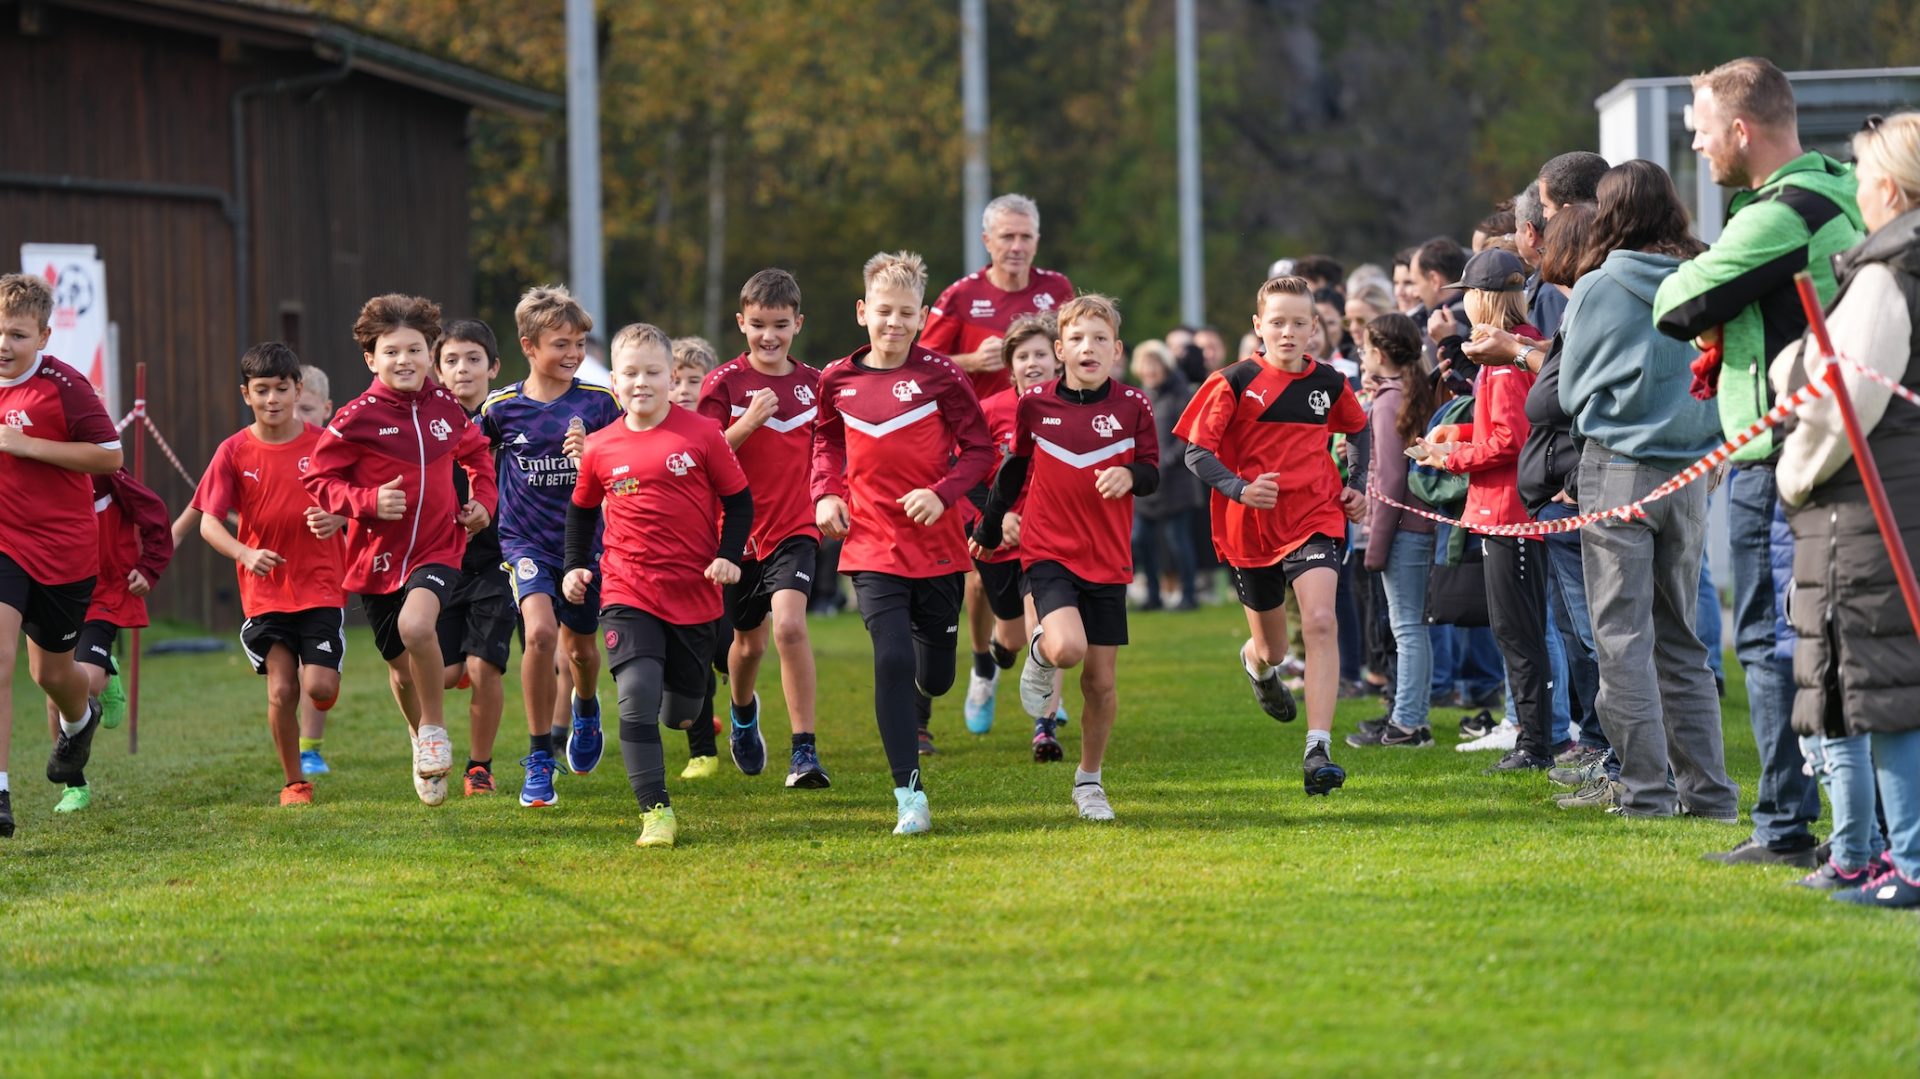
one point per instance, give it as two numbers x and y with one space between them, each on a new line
749 748
312 763
585 743
1060 716
805 771
538 789
980 699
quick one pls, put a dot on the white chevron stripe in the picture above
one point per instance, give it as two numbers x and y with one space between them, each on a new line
783 426
905 419
1083 460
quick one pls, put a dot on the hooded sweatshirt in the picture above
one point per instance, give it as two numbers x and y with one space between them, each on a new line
1624 382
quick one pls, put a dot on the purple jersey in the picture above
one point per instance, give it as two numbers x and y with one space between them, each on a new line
536 476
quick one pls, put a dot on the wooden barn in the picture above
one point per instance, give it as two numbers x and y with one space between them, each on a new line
248 171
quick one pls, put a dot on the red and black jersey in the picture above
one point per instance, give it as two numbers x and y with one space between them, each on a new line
46 512
973 309
883 432
775 456
135 534
1000 410
1258 419
1072 436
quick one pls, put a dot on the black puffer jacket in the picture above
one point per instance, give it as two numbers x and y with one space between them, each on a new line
1179 491
1857 661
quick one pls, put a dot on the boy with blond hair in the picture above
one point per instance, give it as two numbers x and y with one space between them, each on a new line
693 360
898 440
54 436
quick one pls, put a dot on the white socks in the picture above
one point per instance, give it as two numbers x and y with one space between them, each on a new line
68 726
1081 779
3 782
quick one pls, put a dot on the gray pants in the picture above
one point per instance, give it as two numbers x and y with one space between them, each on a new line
1657 700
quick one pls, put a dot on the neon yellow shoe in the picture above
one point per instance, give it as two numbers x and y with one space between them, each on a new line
74 800
701 768
113 703
658 827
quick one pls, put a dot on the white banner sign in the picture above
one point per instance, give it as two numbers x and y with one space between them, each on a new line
80 337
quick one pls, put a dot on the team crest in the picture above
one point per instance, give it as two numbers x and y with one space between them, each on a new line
1043 302
304 462
803 394
525 569
1319 402
441 429
613 639
621 488
679 464
1106 426
17 417
905 389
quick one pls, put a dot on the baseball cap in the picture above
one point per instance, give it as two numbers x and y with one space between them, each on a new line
1493 270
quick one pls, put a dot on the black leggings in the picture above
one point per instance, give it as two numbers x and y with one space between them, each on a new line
1517 607
915 626
643 706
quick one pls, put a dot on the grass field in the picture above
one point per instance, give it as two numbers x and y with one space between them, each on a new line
1425 920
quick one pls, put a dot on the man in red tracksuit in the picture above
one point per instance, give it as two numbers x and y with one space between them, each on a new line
386 464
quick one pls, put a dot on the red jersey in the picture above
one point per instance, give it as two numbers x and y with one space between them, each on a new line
1072 436
999 413
1259 419
416 436
46 512
973 309
264 483
135 534
885 431
661 490
776 454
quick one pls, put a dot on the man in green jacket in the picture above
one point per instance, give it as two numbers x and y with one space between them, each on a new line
1795 211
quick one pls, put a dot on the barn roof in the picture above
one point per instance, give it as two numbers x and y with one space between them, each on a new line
286 25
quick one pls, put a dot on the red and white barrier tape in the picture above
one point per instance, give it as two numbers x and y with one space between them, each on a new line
139 412
1637 508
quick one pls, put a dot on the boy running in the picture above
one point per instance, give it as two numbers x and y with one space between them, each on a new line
1256 432
660 473
1089 447
288 556
54 434
476 628
386 464
765 402
315 406
693 361
892 417
528 423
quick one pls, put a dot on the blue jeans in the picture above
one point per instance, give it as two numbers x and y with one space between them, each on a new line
1173 536
1896 764
1707 622
1787 801
1408 561
1845 767
1567 603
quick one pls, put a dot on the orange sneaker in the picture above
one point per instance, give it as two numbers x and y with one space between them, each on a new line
297 794
479 781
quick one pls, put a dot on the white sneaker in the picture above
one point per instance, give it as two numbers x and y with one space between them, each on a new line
1092 800
432 791
1502 738
432 753
915 818
1036 680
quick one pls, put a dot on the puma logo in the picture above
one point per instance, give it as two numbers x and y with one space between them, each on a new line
1259 395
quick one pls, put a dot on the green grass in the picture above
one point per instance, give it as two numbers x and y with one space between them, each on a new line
1424 920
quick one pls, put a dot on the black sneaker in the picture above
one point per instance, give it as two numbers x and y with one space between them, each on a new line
1375 725
1750 852
6 815
1046 748
1321 774
1390 734
68 762
926 743
1478 725
1274 696
1519 760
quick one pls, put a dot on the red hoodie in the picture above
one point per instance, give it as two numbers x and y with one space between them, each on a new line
135 533
1489 448
416 436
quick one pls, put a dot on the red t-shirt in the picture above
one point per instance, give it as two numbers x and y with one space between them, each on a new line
1070 443
660 490
263 482
777 454
885 431
973 309
46 512
1258 419
999 411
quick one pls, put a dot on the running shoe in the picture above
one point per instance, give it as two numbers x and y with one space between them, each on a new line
432 753
749 747
1391 734
113 703
1046 748
1830 877
1270 691
1321 774
312 763
1520 760
1596 793
805 771
6 815
431 789
927 748
980 701
1478 725
1036 679
701 768
72 751
585 743
293 794
1091 800
538 790
75 799
914 815
479 782
1889 889
1581 769
658 827
1503 738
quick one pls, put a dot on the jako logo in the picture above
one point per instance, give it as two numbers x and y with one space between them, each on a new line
680 463
982 309
905 389
1049 421
441 429
17 417
389 430
803 394
1106 426
1319 402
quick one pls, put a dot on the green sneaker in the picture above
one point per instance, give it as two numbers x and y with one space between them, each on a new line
74 800
113 703
658 828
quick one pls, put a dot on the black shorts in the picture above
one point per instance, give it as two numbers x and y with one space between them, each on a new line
1002 581
383 611
1262 588
685 652
317 637
478 621
95 645
52 614
1103 607
788 566
932 603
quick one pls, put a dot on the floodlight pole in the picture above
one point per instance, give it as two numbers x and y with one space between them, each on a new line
973 107
1193 296
586 278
